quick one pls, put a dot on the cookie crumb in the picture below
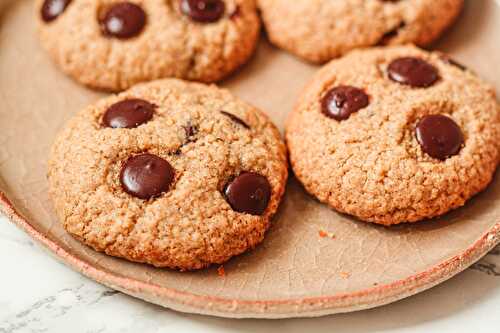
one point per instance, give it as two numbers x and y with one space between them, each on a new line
221 271
345 275
324 234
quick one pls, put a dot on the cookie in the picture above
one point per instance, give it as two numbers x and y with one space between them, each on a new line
320 30
112 45
169 173
394 135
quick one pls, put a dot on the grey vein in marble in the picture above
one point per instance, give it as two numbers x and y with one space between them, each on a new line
488 268
64 301
490 264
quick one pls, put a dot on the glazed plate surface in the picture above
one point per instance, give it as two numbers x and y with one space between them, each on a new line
295 272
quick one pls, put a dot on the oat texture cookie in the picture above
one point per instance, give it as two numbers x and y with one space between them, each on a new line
395 134
320 30
111 45
173 174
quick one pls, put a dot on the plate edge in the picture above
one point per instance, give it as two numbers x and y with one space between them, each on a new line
265 309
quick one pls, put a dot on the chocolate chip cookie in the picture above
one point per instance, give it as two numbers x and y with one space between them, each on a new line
395 134
169 173
319 30
111 45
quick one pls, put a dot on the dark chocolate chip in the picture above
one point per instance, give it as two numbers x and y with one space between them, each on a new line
205 11
386 38
146 176
51 9
439 136
190 131
123 20
236 13
248 193
342 101
412 71
235 119
447 59
129 113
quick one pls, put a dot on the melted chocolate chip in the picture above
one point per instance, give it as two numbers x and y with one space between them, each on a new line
447 59
235 119
51 9
129 113
413 72
123 20
439 136
146 176
204 11
248 193
342 101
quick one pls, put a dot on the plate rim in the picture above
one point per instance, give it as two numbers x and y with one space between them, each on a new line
266 309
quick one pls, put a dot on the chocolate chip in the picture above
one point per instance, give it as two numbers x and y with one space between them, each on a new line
412 71
236 13
51 9
235 119
129 113
190 130
447 59
123 20
146 176
386 38
248 193
439 136
342 101
205 11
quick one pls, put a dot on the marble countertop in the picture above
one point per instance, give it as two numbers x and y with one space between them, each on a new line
39 294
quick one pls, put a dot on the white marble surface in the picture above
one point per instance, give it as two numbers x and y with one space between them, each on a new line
39 294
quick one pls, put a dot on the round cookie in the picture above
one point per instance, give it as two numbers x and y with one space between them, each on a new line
112 45
320 30
394 135
169 173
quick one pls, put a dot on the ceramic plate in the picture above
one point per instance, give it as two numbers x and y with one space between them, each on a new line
294 273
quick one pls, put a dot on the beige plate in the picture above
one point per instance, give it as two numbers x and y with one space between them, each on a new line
294 273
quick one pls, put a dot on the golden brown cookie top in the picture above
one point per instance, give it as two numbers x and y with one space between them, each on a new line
170 173
320 30
395 134
112 45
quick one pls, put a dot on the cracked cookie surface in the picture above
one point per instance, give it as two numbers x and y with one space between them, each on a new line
211 185
320 30
418 136
112 45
